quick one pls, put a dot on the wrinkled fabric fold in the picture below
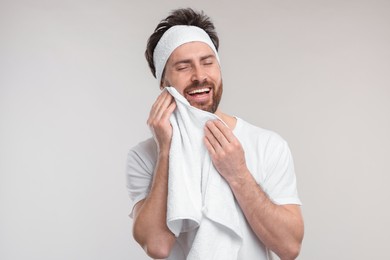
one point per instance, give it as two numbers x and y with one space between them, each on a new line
198 197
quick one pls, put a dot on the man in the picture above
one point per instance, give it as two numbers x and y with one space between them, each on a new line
255 164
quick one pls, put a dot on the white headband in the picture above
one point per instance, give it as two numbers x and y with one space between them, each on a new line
173 38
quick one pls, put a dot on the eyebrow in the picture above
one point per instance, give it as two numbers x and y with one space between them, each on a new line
207 57
189 60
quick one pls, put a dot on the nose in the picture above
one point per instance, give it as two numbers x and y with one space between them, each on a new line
198 74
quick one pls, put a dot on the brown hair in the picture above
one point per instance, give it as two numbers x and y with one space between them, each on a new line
185 16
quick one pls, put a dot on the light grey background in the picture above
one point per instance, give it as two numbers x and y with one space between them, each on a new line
75 93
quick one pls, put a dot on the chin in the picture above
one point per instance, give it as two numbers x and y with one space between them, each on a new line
205 107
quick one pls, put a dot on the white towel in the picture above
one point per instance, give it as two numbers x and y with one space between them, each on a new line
197 194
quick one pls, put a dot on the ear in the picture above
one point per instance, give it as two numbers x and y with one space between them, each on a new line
163 83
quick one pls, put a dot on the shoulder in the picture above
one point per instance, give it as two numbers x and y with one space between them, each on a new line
248 132
141 161
145 147
143 155
266 145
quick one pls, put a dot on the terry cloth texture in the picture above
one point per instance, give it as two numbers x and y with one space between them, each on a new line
198 197
173 38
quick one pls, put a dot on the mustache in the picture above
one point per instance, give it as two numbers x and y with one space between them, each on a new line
198 84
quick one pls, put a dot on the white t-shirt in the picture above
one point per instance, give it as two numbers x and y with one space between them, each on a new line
269 160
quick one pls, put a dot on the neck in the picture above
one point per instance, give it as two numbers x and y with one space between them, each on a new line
228 119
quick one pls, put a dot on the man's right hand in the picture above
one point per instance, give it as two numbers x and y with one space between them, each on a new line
158 120
150 228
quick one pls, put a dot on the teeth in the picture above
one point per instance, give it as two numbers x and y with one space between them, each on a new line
196 91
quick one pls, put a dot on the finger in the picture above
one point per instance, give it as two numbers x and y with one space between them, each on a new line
155 107
164 105
169 110
209 147
225 130
162 102
159 100
212 140
218 134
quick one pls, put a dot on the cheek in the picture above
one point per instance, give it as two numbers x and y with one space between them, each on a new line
180 82
168 82
174 83
216 74
218 79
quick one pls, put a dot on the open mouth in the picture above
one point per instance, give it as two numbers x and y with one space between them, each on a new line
200 91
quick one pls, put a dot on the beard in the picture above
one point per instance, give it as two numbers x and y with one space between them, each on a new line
215 99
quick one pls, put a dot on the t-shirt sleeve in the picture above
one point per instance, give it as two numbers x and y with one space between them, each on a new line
139 174
280 182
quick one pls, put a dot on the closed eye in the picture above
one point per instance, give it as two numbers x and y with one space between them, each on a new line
208 60
180 68
182 65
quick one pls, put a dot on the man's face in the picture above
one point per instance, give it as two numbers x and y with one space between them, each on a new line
193 70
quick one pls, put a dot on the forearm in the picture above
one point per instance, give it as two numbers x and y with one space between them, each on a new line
149 228
280 228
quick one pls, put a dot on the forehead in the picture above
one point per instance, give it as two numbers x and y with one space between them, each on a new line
191 50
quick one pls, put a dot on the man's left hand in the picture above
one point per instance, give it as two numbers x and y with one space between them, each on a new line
225 150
